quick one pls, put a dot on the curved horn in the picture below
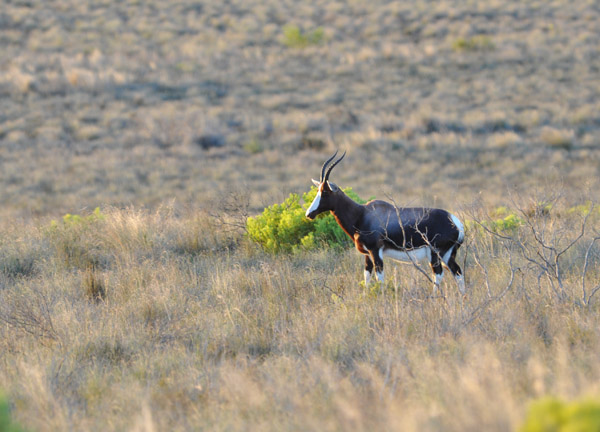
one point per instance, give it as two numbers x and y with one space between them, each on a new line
325 165
333 165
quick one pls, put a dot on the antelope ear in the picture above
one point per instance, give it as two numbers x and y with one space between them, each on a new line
332 186
316 183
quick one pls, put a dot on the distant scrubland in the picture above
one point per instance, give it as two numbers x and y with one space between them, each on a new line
436 102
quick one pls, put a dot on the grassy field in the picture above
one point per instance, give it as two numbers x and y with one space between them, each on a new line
129 319
175 117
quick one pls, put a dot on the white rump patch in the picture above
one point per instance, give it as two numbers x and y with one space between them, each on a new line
458 224
315 204
411 256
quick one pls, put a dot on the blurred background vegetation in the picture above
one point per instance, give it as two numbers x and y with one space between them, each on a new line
436 102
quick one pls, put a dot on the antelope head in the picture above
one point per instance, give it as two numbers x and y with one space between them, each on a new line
328 191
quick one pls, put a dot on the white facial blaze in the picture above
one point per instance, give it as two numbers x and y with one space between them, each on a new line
314 205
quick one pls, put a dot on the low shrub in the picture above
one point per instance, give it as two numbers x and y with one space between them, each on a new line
474 43
551 414
71 242
6 423
502 221
293 37
507 224
284 227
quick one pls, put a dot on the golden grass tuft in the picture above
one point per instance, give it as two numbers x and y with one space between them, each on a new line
558 138
93 285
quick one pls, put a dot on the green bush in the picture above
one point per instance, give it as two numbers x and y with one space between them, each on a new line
293 37
509 223
502 220
284 228
6 424
553 415
475 43
70 239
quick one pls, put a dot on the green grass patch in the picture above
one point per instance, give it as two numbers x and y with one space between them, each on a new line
6 423
502 220
551 414
474 43
71 241
294 37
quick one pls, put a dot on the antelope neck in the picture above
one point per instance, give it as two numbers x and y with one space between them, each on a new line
347 214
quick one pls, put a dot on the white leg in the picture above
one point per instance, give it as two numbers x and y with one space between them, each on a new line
446 256
380 274
367 277
437 283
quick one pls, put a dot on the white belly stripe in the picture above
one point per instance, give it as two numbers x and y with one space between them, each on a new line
414 255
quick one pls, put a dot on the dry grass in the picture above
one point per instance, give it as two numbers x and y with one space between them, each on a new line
159 317
207 332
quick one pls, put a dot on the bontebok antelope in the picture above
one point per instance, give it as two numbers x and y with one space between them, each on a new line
380 229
